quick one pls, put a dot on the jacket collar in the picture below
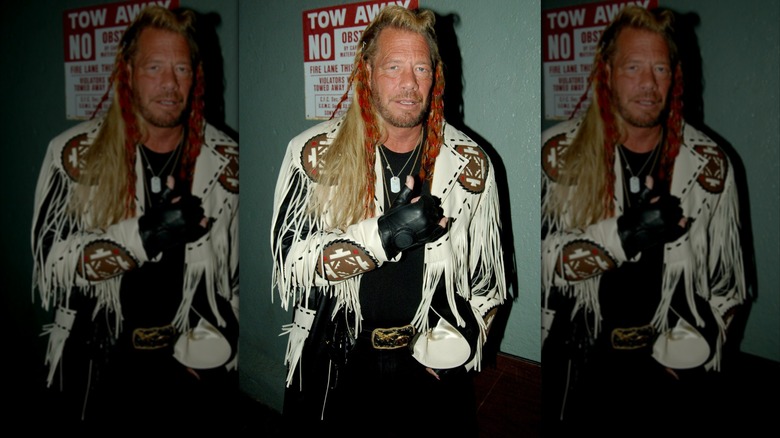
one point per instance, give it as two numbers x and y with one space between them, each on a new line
688 165
216 154
449 164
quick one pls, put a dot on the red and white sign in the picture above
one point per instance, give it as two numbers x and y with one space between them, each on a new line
91 37
330 39
569 39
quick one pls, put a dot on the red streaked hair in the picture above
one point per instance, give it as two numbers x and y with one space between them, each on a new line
182 22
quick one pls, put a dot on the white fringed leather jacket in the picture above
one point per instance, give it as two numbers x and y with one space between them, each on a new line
310 258
70 256
707 259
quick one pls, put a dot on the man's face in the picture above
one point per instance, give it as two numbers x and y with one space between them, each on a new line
640 77
161 77
401 78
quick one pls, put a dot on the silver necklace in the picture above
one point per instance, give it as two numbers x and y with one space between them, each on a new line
156 182
633 181
395 180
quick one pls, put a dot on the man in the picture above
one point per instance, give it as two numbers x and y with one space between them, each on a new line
135 240
642 267
393 285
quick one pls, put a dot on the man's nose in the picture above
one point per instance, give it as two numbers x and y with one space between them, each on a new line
408 79
169 79
647 79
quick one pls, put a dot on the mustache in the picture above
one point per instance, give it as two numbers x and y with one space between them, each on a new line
177 97
413 96
648 96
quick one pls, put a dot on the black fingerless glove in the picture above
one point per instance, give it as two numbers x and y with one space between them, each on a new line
168 223
409 224
650 223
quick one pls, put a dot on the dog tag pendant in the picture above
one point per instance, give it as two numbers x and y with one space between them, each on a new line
395 184
633 184
156 186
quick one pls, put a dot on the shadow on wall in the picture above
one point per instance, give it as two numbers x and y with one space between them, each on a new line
213 71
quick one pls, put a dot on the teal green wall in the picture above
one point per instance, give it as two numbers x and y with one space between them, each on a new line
740 55
499 45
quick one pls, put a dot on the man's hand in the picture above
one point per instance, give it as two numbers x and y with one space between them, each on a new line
176 219
408 224
657 219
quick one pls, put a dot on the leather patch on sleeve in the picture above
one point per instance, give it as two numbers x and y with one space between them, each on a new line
581 259
229 176
311 155
551 156
713 177
104 259
73 156
475 173
342 259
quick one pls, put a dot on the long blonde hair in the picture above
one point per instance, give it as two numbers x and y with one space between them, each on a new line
105 193
585 189
345 192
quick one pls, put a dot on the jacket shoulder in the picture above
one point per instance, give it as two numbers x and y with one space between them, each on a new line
461 143
718 164
693 136
214 136
463 160
86 130
565 129
700 143
324 130
305 150
453 134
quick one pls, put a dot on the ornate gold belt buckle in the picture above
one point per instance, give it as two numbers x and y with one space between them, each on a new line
632 338
153 338
392 338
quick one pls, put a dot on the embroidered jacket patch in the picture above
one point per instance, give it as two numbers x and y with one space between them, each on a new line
581 259
342 259
311 155
73 156
551 156
229 176
104 259
475 173
713 177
